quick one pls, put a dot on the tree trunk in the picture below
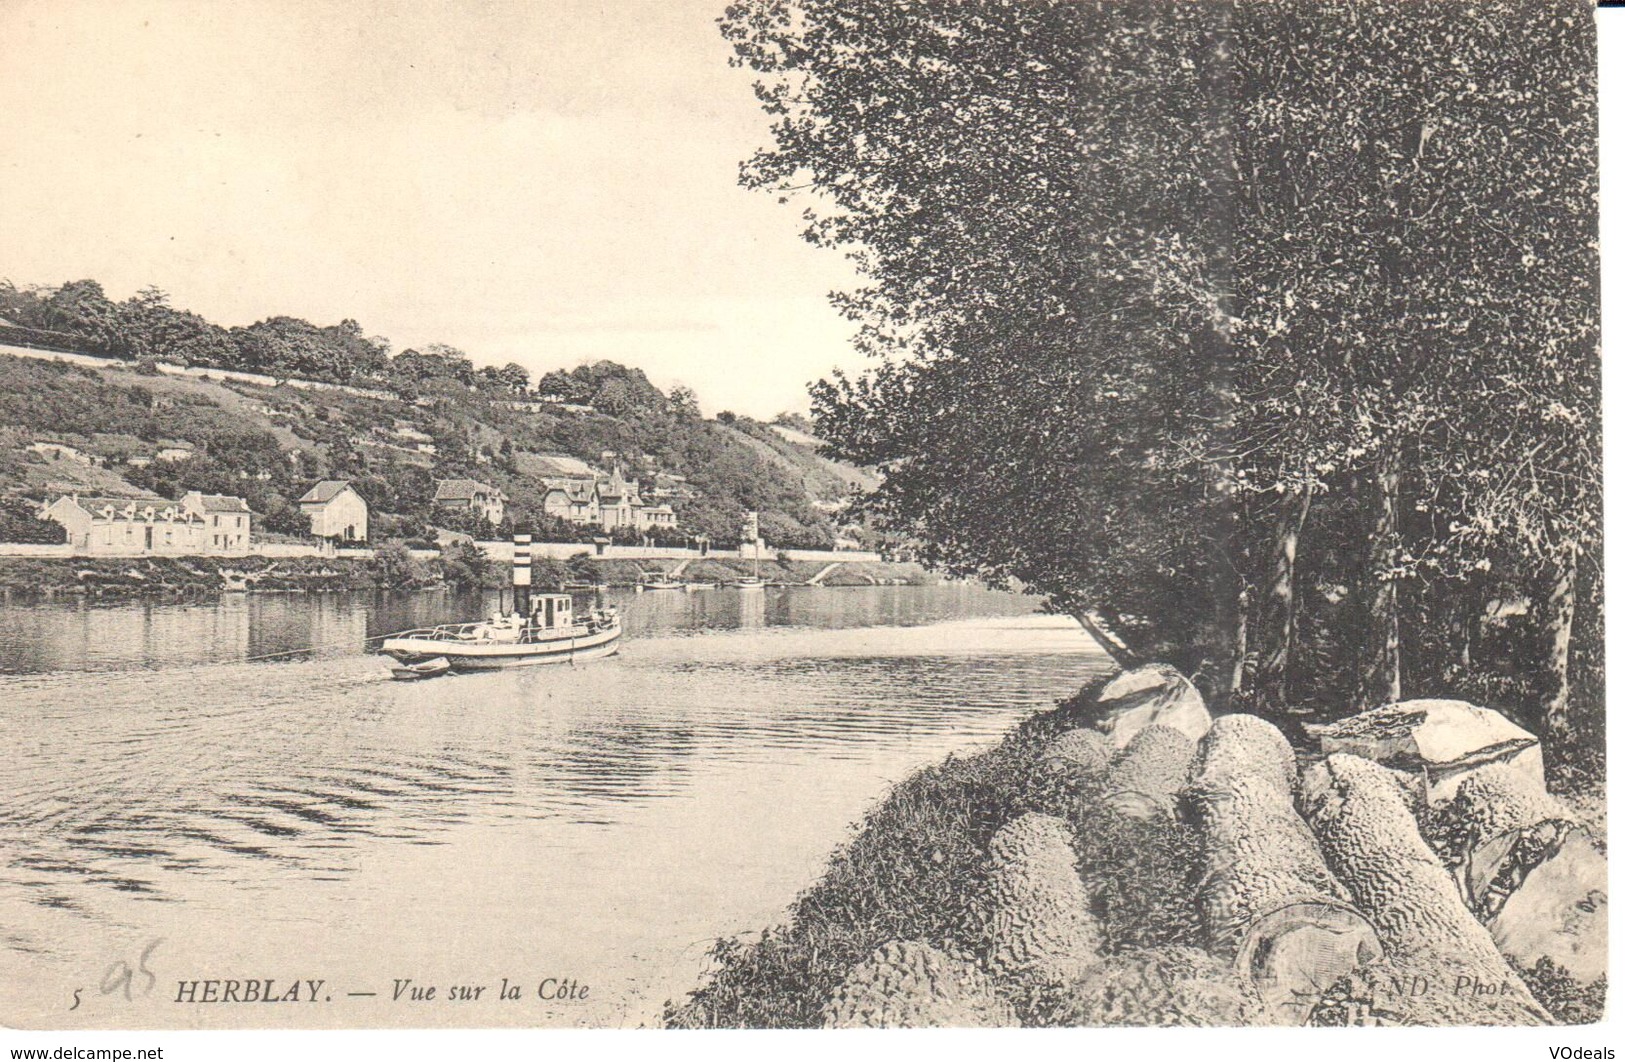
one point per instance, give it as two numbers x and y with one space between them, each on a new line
1557 633
1228 560
1276 625
1379 665
1465 618
1238 665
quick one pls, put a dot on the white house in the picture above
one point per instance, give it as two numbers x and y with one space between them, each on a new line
126 526
335 510
226 518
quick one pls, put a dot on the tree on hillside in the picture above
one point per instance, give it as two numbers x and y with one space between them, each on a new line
291 348
435 362
81 308
684 402
155 329
515 377
363 356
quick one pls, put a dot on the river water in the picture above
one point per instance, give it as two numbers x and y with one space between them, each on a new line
188 796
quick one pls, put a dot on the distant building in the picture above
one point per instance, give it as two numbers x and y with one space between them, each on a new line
417 440
175 452
575 500
609 502
656 517
671 485
124 526
227 517
56 451
472 495
336 510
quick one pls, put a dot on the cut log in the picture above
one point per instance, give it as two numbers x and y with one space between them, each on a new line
1360 813
1267 900
1560 912
907 985
1145 779
1154 693
1081 752
1039 928
1499 827
1435 744
1296 953
1245 746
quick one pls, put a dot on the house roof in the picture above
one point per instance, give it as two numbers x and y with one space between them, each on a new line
324 491
577 490
222 503
137 507
463 490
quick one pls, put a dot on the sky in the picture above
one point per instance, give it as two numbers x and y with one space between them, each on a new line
547 182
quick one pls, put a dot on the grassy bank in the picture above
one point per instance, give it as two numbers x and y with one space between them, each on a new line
915 870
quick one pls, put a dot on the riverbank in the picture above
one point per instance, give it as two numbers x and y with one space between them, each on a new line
172 577
122 577
912 922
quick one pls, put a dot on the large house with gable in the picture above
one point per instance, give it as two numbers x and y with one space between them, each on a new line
335 510
473 496
608 502
226 520
197 524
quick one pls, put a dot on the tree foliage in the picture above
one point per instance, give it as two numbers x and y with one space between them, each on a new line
1257 326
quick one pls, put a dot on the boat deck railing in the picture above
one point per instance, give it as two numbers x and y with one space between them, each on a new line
485 631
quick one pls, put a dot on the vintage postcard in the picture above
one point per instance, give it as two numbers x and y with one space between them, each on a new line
739 514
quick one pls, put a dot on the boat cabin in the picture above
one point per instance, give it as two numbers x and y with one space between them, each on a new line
550 612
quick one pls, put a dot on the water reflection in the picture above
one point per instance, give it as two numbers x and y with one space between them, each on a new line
676 791
38 637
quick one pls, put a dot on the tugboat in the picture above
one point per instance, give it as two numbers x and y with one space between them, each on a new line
539 630
551 634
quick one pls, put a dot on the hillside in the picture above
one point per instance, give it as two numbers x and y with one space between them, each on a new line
270 442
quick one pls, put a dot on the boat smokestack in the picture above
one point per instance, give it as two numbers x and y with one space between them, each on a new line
521 574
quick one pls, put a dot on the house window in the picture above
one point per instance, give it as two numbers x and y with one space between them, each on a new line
217 523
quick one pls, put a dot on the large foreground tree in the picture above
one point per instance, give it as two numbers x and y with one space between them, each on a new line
1145 280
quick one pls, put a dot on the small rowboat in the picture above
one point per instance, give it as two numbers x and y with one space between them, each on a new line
425 669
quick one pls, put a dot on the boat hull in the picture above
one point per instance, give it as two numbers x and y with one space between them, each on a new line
491 656
427 669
